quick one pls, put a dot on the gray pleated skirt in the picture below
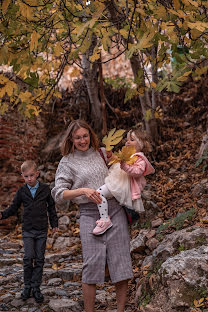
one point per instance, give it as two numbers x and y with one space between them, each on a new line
112 247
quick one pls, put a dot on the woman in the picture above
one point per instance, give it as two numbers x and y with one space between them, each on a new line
80 172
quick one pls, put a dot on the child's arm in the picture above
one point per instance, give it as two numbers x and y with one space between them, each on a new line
135 170
12 210
52 213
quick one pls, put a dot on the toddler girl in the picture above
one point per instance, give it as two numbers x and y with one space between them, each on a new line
125 182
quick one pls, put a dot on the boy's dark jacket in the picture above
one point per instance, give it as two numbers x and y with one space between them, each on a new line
36 210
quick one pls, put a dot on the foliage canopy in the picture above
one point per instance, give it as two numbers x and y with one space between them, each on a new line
41 38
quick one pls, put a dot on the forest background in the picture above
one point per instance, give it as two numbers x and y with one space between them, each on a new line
163 47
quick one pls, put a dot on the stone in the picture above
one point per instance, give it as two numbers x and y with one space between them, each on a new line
138 243
183 274
54 281
157 222
64 220
63 242
72 273
152 243
64 305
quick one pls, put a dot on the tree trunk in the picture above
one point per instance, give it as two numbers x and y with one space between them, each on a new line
146 103
90 74
102 98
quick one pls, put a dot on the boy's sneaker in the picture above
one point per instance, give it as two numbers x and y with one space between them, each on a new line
102 226
37 294
26 293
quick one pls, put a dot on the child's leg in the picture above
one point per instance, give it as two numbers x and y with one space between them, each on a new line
103 207
29 255
104 223
40 245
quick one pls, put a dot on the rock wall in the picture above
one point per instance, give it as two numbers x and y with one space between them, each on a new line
20 139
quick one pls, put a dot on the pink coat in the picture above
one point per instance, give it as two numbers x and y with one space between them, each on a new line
137 171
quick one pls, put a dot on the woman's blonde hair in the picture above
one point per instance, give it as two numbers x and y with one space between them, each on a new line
142 136
67 145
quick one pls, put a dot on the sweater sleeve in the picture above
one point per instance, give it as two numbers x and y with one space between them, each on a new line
63 182
135 170
15 205
52 211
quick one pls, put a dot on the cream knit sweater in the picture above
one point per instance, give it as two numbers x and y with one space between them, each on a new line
77 170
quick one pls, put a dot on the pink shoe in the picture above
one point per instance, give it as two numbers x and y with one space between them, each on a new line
102 226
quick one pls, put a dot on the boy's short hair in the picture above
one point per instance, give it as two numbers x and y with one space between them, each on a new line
28 164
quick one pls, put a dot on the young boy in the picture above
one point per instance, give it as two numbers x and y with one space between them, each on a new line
38 205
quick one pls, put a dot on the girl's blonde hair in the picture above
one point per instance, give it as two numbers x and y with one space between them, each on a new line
142 136
67 145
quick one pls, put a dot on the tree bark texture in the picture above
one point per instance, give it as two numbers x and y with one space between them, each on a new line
90 74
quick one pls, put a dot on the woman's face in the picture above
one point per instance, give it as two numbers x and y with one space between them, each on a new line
81 139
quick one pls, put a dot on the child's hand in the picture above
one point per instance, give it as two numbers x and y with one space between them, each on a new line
55 230
122 163
109 154
113 157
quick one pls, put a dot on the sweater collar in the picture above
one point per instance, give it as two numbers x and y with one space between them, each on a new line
83 153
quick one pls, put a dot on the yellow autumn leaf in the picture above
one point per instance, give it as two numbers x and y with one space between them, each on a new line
199 303
204 220
25 10
113 138
201 300
10 86
75 72
54 266
3 108
194 3
106 41
179 13
160 12
186 2
58 49
95 56
153 84
125 155
79 29
2 92
141 11
76 231
86 43
34 41
124 33
184 76
57 94
148 114
176 4
32 110
3 79
25 96
144 42
5 5
200 26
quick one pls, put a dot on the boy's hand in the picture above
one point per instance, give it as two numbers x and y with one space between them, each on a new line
0 215
55 230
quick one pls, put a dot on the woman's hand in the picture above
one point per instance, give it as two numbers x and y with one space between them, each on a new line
93 195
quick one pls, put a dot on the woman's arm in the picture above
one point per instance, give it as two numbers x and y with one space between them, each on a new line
91 194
